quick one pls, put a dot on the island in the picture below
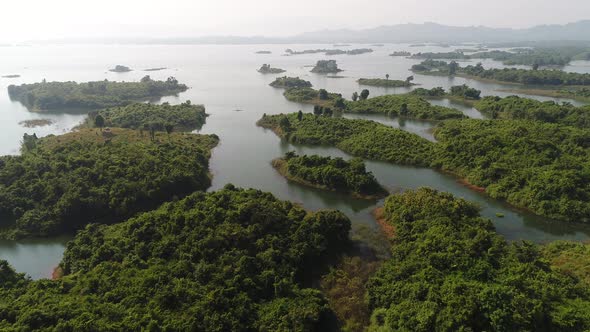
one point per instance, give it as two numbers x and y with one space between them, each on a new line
267 69
515 108
443 55
164 117
387 83
459 93
174 257
355 51
120 69
326 67
155 69
36 123
290 82
263 52
75 96
401 53
400 105
544 77
97 176
333 174
491 155
11 76
441 241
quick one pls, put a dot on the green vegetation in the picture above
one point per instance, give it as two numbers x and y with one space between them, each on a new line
11 76
183 117
514 107
231 260
570 258
577 93
400 53
326 67
387 83
155 69
61 183
334 174
267 69
36 123
361 138
315 97
290 82
120 69
542 167
450 271
509 75
459 93
405 105
444 55
326 51
91 95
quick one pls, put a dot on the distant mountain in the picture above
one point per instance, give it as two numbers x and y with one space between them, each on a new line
433 32
400 33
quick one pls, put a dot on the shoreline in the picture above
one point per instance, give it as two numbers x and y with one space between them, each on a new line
386 228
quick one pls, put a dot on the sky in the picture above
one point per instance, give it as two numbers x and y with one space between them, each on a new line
22 20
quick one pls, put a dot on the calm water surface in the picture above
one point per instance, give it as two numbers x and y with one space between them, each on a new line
224 79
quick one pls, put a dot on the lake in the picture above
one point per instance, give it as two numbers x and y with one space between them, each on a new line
224 79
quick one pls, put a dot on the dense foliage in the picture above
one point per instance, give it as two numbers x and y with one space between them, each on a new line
387 83
61 183
400 53
326 67
267 69
315 97
91 95
290 82
183 117
362 138
570 258
514 107
450 271
330 173
543 167
232 260
407 105
463 91
511 75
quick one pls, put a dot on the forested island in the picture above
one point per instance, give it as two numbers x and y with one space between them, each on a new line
263 52
223 261
120 69
506 75
469 277
403 105
387 83
290 82
11 76
538 166
361 138
401 53
460 93
36 123
91 95
330 51
155 69
518 108
328 173
326 67
164 117
267 69
61 183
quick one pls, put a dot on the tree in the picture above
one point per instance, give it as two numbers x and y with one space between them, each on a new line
387 76
535 66
340 103
328 111
317 110
409 79
169 128
453 66
285 124
323 94
99 121
364 94
299 115
404 110
146 79
355 96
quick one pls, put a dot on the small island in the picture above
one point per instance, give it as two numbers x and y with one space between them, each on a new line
263 52
11 76
401 53
290 82
459 93
326 67
333 174
165 117
387 83
64 96
120 69
36 123
267 69
155 69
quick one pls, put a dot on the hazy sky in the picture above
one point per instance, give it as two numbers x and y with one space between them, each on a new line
48 19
